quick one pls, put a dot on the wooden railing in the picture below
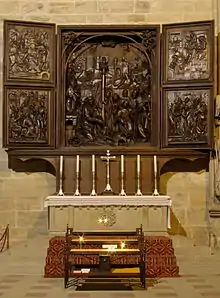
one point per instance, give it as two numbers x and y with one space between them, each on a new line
4 239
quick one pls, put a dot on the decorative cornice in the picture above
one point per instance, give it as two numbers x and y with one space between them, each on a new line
99 150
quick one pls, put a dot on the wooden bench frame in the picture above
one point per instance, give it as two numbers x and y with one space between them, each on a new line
100 238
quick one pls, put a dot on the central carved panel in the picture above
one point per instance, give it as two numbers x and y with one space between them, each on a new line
108 87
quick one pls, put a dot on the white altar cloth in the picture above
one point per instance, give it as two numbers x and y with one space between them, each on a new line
116 200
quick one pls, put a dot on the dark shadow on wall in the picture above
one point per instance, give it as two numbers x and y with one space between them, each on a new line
33 165
176 227
185 165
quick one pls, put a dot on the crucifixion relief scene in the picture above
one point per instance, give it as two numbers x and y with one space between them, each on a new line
108 92
109 167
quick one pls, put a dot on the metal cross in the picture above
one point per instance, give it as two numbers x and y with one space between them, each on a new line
104 69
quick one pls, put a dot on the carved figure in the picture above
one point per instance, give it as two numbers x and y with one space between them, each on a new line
72 97
125 125
141 115
91 121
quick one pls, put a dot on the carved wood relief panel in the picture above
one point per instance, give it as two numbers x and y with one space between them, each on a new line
28 116
29 49
29 81
186 116
188 52
110 85
187 85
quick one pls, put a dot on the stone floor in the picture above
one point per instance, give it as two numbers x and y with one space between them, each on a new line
21 274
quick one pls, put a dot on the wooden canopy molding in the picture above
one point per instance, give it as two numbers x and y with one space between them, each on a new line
108 90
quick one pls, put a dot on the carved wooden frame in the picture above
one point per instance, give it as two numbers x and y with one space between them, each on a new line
21 81
164 122
206 25
105 29
52 47
51 121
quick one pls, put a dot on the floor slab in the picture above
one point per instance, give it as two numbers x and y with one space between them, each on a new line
21 275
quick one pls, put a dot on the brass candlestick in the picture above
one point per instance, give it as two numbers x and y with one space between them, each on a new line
60 193
155 193
93 192
77 192
138 193
122 192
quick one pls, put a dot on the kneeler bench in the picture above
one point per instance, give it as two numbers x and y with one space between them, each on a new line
105 255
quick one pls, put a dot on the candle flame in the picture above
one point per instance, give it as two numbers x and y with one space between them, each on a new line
81 238
122 245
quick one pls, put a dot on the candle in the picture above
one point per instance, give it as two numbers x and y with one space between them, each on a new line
155 164
61 164
93 163
122 163
77 164
138 163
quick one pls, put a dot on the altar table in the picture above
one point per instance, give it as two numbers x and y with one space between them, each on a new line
113 213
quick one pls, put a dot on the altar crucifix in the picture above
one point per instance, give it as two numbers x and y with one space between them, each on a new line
108 158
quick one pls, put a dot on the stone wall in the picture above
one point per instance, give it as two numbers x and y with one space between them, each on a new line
21 203
109 11
22 194
189 193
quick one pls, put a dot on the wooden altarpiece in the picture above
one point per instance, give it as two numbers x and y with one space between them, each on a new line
123 88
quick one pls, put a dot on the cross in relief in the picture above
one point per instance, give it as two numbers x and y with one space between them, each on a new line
103 67
108 158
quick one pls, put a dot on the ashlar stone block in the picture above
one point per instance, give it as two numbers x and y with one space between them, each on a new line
28 219
61 7
142 6
7 217
123 6
136 18
32 7
85 6
9 8
30 203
